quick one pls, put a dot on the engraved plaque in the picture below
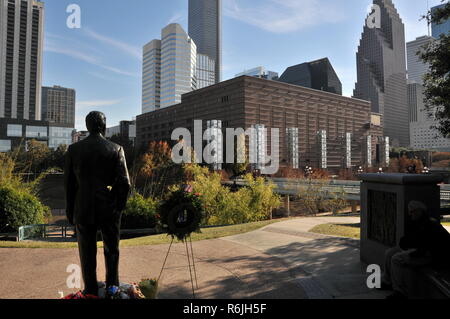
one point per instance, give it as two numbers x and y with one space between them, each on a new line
382 217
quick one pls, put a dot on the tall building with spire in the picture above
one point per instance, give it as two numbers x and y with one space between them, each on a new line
381 72
21 45
205 28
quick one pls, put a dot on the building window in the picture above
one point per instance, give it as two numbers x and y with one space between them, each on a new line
60 136
36 131
14 130
5 145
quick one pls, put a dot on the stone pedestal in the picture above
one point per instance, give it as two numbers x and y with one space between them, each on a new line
384 209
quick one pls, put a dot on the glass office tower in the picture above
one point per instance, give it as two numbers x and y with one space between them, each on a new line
205 27
169 69
442 28
381 72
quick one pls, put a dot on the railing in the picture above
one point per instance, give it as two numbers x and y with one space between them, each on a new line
286 186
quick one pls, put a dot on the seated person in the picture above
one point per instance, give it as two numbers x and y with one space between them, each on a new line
426 244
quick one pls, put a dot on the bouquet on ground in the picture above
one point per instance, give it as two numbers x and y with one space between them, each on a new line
146 289
149 288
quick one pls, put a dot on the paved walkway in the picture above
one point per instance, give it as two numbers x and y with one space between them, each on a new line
282 260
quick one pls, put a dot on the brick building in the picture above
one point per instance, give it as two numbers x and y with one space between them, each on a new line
246 101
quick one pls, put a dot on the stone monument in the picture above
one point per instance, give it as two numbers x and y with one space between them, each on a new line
384 204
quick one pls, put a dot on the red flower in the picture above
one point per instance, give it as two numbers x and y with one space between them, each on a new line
80 295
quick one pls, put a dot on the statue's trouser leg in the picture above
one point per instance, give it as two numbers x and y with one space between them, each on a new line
87 245
111 239
404 272
386 278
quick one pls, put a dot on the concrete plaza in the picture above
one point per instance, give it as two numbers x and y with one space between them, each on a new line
282 260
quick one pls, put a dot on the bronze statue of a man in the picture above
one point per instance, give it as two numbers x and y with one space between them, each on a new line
97 185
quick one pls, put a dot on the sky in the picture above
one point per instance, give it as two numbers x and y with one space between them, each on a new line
102 60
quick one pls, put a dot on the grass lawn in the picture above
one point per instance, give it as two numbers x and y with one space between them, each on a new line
341 230
207 233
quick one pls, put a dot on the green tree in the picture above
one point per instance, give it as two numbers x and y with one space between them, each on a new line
34 158
57 157
437 80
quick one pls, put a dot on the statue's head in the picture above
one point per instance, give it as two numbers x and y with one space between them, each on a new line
417 210
96 123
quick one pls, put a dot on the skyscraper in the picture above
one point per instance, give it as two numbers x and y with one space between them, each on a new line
442 28
206 71
318 75
381 72
151 76
421 132
205 27
416 68
21 44
169 69
58 105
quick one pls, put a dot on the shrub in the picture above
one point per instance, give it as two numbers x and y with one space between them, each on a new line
223 207
139 212
20 208
314 198
262 199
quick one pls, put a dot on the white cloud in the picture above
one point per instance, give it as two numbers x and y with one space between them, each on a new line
51 46
283 16
77 54
131 50
96 103
177 17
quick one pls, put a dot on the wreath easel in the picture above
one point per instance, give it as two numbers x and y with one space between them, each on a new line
181 215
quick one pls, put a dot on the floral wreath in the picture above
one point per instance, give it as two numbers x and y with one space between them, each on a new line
181 214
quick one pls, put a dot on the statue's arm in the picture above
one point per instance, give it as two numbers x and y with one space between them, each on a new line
69 185
122 185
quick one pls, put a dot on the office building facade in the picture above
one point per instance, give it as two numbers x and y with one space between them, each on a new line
58 105
17 132
169 69
381 72
441 28
151 76
126 129
206 71
422 134
21 45
318 75
299 113
260 72
205 28
416 68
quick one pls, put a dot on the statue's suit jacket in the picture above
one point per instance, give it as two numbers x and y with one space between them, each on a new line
96 181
